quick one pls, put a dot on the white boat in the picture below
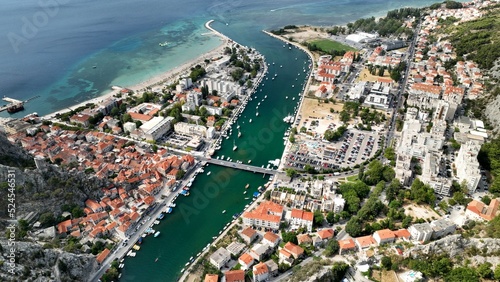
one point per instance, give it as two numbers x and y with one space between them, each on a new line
249 161
208 173
265 97
157 234
257 114
224 211
234 146
286 97
245 192
250 121
293 98
239 133
293 85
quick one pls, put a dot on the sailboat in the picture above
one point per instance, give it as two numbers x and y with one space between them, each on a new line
234 146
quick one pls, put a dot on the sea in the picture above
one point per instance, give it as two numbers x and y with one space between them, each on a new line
66 51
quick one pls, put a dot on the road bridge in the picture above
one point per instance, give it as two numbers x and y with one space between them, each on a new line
239 166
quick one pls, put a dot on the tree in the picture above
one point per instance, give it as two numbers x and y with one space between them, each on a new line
496 274
386 262
290 172
462 274
354 227
289 237
318 218
484 270
344 116
332 248
180 174
267 195
339 270
330 217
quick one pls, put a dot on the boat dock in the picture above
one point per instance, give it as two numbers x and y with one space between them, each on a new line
13 102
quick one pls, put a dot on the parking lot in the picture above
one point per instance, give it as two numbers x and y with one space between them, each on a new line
354 148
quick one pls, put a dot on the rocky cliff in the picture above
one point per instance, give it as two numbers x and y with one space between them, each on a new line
35 263
479 249
42 192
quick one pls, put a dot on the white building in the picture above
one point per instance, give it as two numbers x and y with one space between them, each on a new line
220 257
421 232
302 218
357 91
378 100
442 227
468 166
190 129
156 127
213 110
338 204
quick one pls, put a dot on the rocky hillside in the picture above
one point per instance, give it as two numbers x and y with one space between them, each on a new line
43 191
35 263
479 250
43 194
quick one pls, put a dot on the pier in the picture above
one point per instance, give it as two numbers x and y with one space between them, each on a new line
13 102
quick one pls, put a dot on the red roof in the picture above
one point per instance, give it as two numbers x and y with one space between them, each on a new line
326 233
235 275
103 255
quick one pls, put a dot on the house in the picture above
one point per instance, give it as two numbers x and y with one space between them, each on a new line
220 257
403 234
259 250
248 235
346 245
211 278
234 276
260 272
304 239
421 232
93 205
102 255
477 210
266 215
293 249
364 242
300 218
325 234
246 261
285 257
384 236
235 248
442 227
272 267
271 239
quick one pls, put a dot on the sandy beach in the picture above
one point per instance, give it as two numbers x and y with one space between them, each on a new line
167 77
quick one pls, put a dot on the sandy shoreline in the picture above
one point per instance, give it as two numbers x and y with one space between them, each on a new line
168 76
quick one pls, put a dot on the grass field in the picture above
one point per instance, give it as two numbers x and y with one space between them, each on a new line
327 45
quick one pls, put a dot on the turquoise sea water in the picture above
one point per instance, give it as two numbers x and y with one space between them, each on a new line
53 56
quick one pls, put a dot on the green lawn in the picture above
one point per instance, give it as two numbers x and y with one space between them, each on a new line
352 178
328 45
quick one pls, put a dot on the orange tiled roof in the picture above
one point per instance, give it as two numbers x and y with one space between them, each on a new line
246 258
326 233
211 278
260 268
293 249
235 275
102 256
385 234
347 244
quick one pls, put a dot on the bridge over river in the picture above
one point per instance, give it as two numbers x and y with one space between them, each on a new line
240 166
